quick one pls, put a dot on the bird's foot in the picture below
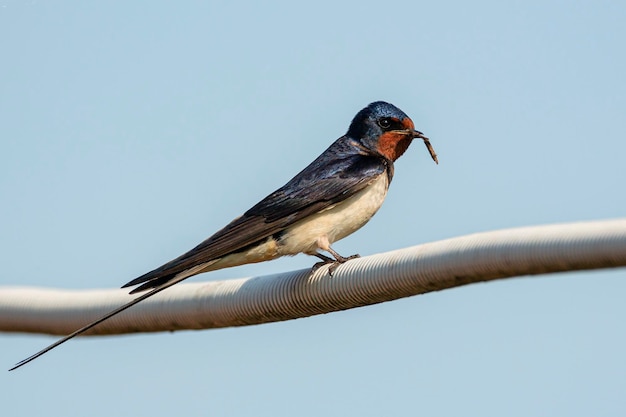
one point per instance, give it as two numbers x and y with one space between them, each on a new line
333 263
338 262
325 261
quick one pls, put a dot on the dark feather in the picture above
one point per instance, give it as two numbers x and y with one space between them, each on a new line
344 169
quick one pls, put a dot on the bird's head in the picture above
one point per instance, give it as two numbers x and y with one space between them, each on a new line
385 129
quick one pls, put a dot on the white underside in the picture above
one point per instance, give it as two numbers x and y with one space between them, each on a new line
316 232
321 230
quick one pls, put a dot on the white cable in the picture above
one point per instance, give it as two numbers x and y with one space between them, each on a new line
373 279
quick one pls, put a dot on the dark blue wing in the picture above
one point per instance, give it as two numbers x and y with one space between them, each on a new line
335 175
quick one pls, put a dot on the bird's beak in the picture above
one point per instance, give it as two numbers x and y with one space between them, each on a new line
418 134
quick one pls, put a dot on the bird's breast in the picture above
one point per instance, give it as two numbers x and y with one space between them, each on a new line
335 222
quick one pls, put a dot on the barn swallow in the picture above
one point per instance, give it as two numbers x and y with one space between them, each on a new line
331 198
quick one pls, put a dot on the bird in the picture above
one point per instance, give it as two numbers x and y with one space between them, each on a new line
331 198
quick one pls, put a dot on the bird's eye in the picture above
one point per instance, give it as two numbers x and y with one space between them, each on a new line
385 123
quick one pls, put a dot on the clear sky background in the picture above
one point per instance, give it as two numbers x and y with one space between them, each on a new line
131 132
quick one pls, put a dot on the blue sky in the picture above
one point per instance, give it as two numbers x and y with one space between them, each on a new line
130 132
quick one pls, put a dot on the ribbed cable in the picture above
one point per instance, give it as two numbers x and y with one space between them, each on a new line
285 296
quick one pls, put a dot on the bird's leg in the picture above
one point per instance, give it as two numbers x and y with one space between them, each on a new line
334 263
324 258
340 259
325 261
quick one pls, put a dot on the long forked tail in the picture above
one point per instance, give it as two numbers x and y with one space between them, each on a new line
107 316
